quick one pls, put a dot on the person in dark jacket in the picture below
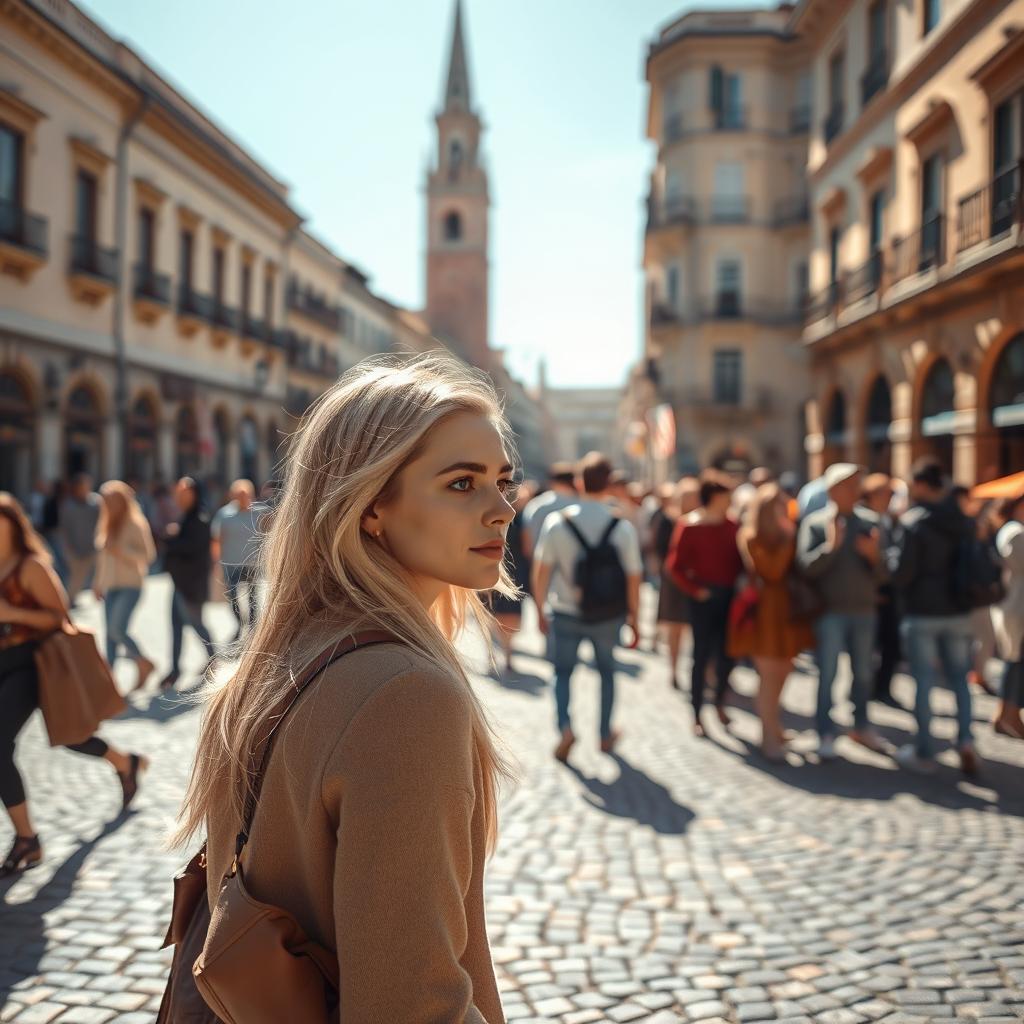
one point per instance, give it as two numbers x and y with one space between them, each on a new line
187 560
928 544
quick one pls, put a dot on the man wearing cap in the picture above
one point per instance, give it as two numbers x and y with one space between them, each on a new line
839 550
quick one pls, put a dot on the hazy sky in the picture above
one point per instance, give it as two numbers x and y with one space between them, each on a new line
337 98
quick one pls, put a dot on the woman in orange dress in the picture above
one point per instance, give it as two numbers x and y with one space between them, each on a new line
769 635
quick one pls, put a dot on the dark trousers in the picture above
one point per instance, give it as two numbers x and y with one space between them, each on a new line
235 577
19 697
887 642
710 622
186 613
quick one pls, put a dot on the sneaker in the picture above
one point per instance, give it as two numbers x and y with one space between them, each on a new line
827 748
870 739
907 757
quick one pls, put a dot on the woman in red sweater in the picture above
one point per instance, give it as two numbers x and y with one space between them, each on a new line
704 561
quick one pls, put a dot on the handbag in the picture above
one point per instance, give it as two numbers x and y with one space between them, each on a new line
744 605
249 962
76 687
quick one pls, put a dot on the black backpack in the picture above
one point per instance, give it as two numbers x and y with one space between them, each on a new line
600 577
977 575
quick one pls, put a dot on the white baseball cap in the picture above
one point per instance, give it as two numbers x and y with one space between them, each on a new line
838 472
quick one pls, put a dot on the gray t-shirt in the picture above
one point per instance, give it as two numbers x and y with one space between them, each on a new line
78 521
238 533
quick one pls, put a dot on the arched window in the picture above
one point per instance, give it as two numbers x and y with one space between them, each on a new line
186 436
938 413
1006 405
142 439
452 227
83 424
879 422
454 159
835 424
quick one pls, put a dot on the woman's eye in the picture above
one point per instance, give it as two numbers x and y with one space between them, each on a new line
455 485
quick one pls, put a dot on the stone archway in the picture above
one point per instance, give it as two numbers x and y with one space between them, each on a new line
878 426
835 429
186 441
143 428
935 425
1004 405
83 431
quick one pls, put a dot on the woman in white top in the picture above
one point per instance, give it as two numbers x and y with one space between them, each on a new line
125 551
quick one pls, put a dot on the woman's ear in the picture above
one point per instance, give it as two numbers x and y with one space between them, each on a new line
370 523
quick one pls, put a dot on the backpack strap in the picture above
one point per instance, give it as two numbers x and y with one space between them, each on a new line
261 753
606 536
575 529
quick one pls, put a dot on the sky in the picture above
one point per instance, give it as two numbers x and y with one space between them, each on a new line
337 98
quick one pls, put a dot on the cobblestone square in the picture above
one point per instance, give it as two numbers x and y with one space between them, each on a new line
678 880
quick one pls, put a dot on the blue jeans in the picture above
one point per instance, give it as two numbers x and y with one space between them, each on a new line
120 603
234 577
567 632
185 613
836 632
940 643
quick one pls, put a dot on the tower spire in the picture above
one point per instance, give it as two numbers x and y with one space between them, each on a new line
456 94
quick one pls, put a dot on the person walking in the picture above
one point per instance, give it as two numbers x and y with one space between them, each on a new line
187 561
674 605
839 550
876 496
79 517
32 605
378 807
704 561
1010 618
125 551
235 531
586 584
768 633
508 610
925 562
561 493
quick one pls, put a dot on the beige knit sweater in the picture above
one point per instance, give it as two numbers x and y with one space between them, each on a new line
126 559
370 831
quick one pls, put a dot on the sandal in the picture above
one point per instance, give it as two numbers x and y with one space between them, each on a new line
130 779
26 854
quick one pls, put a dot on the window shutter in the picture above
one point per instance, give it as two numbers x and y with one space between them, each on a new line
716 88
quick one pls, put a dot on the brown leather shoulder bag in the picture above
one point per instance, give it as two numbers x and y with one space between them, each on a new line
250 962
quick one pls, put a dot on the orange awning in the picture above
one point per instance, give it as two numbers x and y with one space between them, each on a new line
1004 487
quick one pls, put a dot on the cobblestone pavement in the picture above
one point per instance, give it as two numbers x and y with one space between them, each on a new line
678 880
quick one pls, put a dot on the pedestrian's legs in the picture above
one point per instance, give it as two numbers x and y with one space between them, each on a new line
829 631
120 603
18 699
922 653
674 635
954 645
178 614
721 601
233 585
887 639
703 626
194 612
604 636
860 631
565 646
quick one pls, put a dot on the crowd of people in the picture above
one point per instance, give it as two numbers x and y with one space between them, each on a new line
758 571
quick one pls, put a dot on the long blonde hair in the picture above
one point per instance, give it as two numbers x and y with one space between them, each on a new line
119 505
761 521
320 567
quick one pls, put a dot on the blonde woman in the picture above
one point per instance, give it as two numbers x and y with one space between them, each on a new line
378 806
124 553
769 635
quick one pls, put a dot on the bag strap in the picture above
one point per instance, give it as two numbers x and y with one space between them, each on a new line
261 754
579 536
606 536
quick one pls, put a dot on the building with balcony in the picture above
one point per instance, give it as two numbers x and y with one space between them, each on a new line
915 328
726 239
161 310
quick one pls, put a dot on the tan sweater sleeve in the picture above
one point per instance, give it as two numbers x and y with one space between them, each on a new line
400 786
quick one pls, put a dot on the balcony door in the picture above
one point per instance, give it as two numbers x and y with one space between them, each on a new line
931 211
728 286
1007 153
85 206
729 202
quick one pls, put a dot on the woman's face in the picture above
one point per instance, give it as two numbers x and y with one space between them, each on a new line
447 520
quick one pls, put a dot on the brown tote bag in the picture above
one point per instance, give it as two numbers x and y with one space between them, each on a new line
249 962
76 688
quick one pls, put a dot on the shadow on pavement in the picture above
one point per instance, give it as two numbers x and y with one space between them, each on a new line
522 682
636 796
23 940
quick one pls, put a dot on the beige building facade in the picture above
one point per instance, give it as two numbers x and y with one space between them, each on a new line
162 310
915 332
726 239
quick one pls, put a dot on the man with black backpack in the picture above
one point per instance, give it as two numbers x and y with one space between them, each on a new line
586 584
939 574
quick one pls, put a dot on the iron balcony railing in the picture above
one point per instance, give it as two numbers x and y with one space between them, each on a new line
148 284
727 398
672 128
730 119
663 315
834 122
309 303
792 210
87 257
224 316
254 328
800 119
865 280
992 210
923 250
672 210
823 303
875 78
730 209
192 303
23 229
